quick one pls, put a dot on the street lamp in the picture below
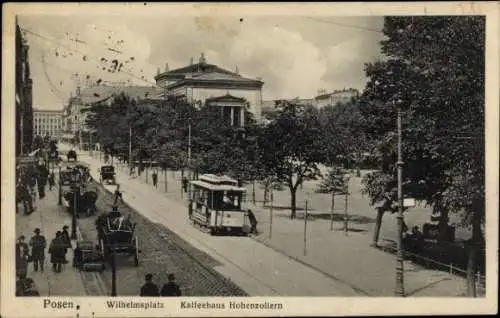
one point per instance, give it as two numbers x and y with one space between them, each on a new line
113 266
60 185
396 101
400 291
76 193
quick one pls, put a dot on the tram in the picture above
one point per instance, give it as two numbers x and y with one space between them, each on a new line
215 203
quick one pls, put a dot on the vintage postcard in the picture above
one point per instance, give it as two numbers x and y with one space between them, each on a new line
243 159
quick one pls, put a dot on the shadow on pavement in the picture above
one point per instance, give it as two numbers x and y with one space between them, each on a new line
337 217
413 292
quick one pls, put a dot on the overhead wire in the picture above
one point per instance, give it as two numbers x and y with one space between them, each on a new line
84 54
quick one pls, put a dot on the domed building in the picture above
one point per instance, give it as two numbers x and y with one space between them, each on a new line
204 84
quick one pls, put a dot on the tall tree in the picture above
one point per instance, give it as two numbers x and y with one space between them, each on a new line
435 73
343 126
333 184
291 149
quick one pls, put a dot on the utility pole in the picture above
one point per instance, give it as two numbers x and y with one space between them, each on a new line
76 203
90 143
129 143
271 216
59 201
22 130
189 148
400 256
113 268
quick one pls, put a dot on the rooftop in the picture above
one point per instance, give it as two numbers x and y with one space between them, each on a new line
100 93
205 72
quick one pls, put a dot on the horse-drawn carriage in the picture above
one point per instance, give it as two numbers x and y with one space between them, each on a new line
83 199
84 172
71 155
87 256
108 175
116 236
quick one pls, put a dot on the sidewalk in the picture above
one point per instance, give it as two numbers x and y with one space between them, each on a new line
50 218
350 258
347 259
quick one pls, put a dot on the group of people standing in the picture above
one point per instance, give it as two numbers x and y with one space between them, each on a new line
58 248
169 289
27 178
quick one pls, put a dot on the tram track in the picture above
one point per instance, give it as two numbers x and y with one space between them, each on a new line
156 207
161 240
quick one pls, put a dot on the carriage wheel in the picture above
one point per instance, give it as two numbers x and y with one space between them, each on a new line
136 254
103 249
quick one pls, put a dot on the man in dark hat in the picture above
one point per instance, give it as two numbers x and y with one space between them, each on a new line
38 245
57 252
155 179
52 181
185 184
65 236
171 289
114 214
253 222
149 289
117 195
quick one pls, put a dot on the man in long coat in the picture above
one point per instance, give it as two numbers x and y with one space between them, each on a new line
38 245
57 250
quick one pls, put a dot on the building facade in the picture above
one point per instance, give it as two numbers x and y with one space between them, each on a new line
336 97
48 122
74 118
24 95
202 83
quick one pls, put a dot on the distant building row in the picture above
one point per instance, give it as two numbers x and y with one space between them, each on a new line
322 99
201 84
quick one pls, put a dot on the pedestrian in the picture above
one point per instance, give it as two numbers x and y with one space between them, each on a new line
65 236
253 222
117 195
155 179
171 289
114 214
41 179
184 184
57 252
149 289
38 245
52 182
22 257
26 198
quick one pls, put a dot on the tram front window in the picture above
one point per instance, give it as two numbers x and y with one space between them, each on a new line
227 200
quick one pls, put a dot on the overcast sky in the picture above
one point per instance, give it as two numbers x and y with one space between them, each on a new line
295 56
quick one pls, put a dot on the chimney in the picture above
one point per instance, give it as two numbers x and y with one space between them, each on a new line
202 58
166 67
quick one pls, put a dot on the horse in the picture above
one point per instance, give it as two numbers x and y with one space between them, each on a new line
86 202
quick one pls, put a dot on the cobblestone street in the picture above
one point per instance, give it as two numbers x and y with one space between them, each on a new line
163 252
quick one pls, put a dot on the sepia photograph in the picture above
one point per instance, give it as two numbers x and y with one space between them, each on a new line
249 156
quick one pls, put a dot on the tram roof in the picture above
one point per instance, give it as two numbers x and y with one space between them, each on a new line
215 179
217 187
